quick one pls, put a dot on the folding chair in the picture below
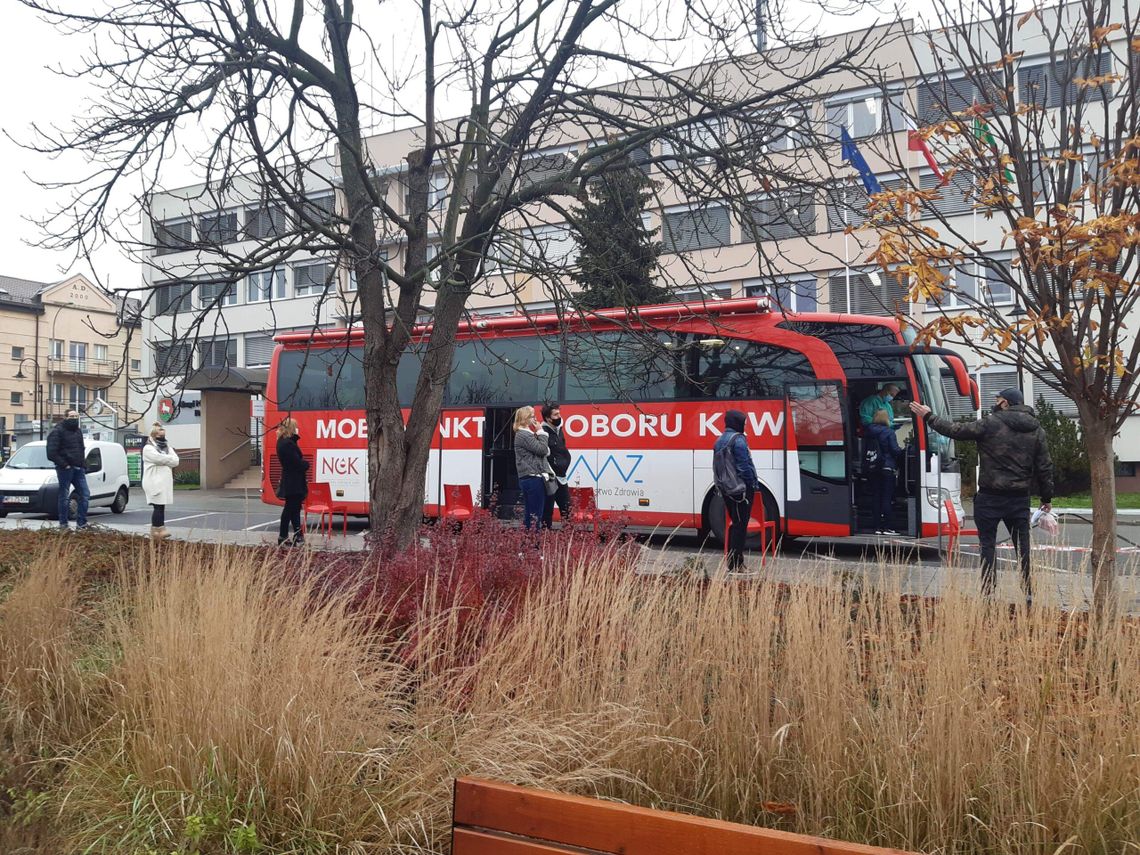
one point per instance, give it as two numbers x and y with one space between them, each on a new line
458 504
319 501
756 525
583 506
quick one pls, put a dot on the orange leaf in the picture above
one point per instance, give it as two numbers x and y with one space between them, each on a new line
781 808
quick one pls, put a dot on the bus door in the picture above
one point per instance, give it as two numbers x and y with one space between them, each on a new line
817 466
500 478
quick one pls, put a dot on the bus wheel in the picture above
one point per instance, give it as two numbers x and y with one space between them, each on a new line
714 517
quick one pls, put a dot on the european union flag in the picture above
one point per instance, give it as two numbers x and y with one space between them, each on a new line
852 155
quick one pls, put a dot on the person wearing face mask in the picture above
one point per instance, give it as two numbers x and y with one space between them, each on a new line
1011 451
881 400
560 462
159 460
65 450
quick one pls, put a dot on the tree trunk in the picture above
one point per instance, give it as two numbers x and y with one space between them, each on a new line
1098 443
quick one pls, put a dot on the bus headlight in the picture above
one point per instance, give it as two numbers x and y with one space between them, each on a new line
936 498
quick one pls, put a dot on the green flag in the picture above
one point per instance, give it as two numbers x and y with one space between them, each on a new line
983 133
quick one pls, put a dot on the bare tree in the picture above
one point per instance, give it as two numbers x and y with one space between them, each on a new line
1036 119
288 92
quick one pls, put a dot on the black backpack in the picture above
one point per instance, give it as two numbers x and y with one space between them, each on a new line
725 477
872 457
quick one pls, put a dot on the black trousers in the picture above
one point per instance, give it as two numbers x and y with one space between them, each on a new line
291 516
739 513
158 516
1013 511
562 497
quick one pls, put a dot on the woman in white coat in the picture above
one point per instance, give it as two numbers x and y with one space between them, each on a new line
159 460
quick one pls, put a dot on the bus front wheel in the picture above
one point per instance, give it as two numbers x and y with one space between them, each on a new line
714 517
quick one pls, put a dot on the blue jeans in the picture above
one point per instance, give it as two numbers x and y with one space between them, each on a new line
534 500
77 476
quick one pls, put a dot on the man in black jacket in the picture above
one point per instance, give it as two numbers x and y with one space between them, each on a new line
65 450
560 462
1011 450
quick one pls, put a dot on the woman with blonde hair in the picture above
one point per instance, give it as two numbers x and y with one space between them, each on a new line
293 486
532 447
159 460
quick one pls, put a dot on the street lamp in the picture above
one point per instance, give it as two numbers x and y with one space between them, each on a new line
51 359
1017 313
37 391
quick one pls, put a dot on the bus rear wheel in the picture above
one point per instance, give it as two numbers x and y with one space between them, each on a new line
714 517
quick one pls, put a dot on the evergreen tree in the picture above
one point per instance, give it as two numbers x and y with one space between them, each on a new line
617 257
1066 448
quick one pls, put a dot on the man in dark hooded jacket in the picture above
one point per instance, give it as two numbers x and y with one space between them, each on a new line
65 450
739 510
1011 451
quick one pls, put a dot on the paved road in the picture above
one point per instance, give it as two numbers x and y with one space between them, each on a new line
235 517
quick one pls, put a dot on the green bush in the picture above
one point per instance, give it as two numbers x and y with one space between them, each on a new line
1066 447
190 476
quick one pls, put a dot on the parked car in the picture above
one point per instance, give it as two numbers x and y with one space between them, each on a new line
28 483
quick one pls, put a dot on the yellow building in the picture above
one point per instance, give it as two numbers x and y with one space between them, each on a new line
65 345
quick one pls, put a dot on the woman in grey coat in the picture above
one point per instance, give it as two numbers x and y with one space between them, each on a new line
531 450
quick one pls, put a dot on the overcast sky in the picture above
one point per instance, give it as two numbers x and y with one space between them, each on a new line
32 93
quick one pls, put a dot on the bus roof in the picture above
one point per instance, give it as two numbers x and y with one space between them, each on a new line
662 312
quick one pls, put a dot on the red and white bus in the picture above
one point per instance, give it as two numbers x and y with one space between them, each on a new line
643 399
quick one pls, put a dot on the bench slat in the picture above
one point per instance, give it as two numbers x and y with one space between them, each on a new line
467 841
619 829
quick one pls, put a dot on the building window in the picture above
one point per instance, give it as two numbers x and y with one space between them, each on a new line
217 293
55 348
258 350
703 293
265 285
56 393
866 114
847 202
173 236
956 197
270 221
701 228
17 352
776 130
220 228
17 399
993 380
787 214
787 293
312 278
218 352
698 143
77 398
171 358
1051 83
974 283
867 292
101 354
550 246
319 210
77 355
1059 401
136 366
538 166
170 298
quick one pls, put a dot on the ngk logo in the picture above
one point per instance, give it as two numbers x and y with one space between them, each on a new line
341 464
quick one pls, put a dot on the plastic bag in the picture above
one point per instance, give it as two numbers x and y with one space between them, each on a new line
1046 521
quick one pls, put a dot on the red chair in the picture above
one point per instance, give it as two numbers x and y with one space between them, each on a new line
954 527
319 501
458 504
757 524
584 506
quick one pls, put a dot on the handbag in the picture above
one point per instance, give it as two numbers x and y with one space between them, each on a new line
550 483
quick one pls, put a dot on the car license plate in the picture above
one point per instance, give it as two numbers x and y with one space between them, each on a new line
16 500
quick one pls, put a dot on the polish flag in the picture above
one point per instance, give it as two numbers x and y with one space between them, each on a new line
915 142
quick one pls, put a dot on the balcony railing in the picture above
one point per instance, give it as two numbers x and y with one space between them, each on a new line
88 367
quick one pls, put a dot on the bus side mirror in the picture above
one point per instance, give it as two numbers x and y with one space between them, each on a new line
967 388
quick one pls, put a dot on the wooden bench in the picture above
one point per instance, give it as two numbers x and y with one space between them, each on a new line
500 819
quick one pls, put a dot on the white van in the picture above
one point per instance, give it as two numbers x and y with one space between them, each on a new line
28 484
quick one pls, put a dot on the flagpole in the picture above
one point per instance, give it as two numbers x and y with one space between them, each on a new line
846 252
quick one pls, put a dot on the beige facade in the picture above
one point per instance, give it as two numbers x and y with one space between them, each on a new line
66 345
